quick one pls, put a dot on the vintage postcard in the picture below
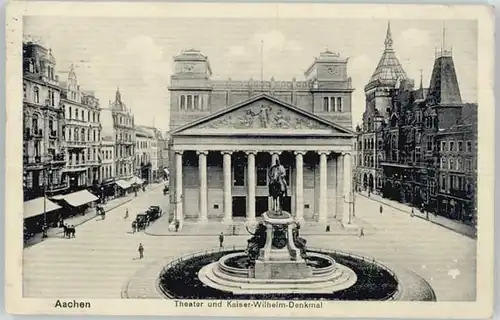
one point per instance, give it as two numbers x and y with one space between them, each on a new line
249 159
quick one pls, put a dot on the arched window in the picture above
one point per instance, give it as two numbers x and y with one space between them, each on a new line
69 113
93 117
82 136
36 94
76 135
34 123
88 135
94 136
69 134
51 125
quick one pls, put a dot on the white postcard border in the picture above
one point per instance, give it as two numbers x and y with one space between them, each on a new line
14 208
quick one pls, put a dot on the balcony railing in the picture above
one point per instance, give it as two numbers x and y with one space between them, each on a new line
459 193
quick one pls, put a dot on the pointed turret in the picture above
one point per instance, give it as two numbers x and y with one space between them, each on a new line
118 97
443 87
389 70
388 37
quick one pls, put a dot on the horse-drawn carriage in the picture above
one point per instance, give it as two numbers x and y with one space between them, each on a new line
154 212
141 222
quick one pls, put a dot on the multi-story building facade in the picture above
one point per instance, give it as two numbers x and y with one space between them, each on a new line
378 92
123 123
405 139
43 122
226 134
82 134
456 196
107 154
144 139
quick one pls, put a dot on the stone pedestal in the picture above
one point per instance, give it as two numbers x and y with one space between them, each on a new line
280 258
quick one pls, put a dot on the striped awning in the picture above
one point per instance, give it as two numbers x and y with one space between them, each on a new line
123 184
36 207
79 198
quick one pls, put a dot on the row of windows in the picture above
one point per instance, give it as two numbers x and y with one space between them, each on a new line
458 183
124 137
78 158
192 103
124 169
107 171
80 115
122 151
456 146
126 121
332 104
51 101
456 164
78 134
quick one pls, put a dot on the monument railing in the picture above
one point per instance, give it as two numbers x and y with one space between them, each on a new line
390 296
199 253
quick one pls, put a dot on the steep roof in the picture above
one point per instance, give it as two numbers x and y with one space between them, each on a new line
389 69
443 87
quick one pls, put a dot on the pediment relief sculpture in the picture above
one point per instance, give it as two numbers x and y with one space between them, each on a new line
264 117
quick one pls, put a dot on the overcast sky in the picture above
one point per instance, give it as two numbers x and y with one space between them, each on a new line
136 53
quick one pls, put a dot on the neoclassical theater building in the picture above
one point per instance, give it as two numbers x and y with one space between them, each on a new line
225 134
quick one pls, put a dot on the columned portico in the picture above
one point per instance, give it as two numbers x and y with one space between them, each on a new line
346 218
222 165
299 185
228 200
202 164
251 185
179 214
323 217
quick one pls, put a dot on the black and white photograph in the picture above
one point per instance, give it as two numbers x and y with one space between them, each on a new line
250 159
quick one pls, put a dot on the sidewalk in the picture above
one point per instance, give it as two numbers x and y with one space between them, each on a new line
81 219
214 228
453 225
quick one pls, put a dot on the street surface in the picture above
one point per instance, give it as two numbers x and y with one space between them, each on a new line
103 256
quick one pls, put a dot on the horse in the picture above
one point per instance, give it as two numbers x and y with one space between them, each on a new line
277 187
69 232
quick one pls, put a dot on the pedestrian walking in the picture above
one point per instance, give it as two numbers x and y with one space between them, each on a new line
381 209
362 232
141 251
412 214
177 225
126 214
221 240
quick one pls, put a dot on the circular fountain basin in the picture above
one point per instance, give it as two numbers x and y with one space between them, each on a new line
232 274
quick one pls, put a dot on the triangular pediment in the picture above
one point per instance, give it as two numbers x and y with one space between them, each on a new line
260 115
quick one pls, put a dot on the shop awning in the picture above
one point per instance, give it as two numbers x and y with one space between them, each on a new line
123 184
35 207
79 198
136 180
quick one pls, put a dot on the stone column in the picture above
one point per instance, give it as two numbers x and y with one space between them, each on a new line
335 177
228 199
251 185
323 215
299 185
179 215
347 188
202 166
339 187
